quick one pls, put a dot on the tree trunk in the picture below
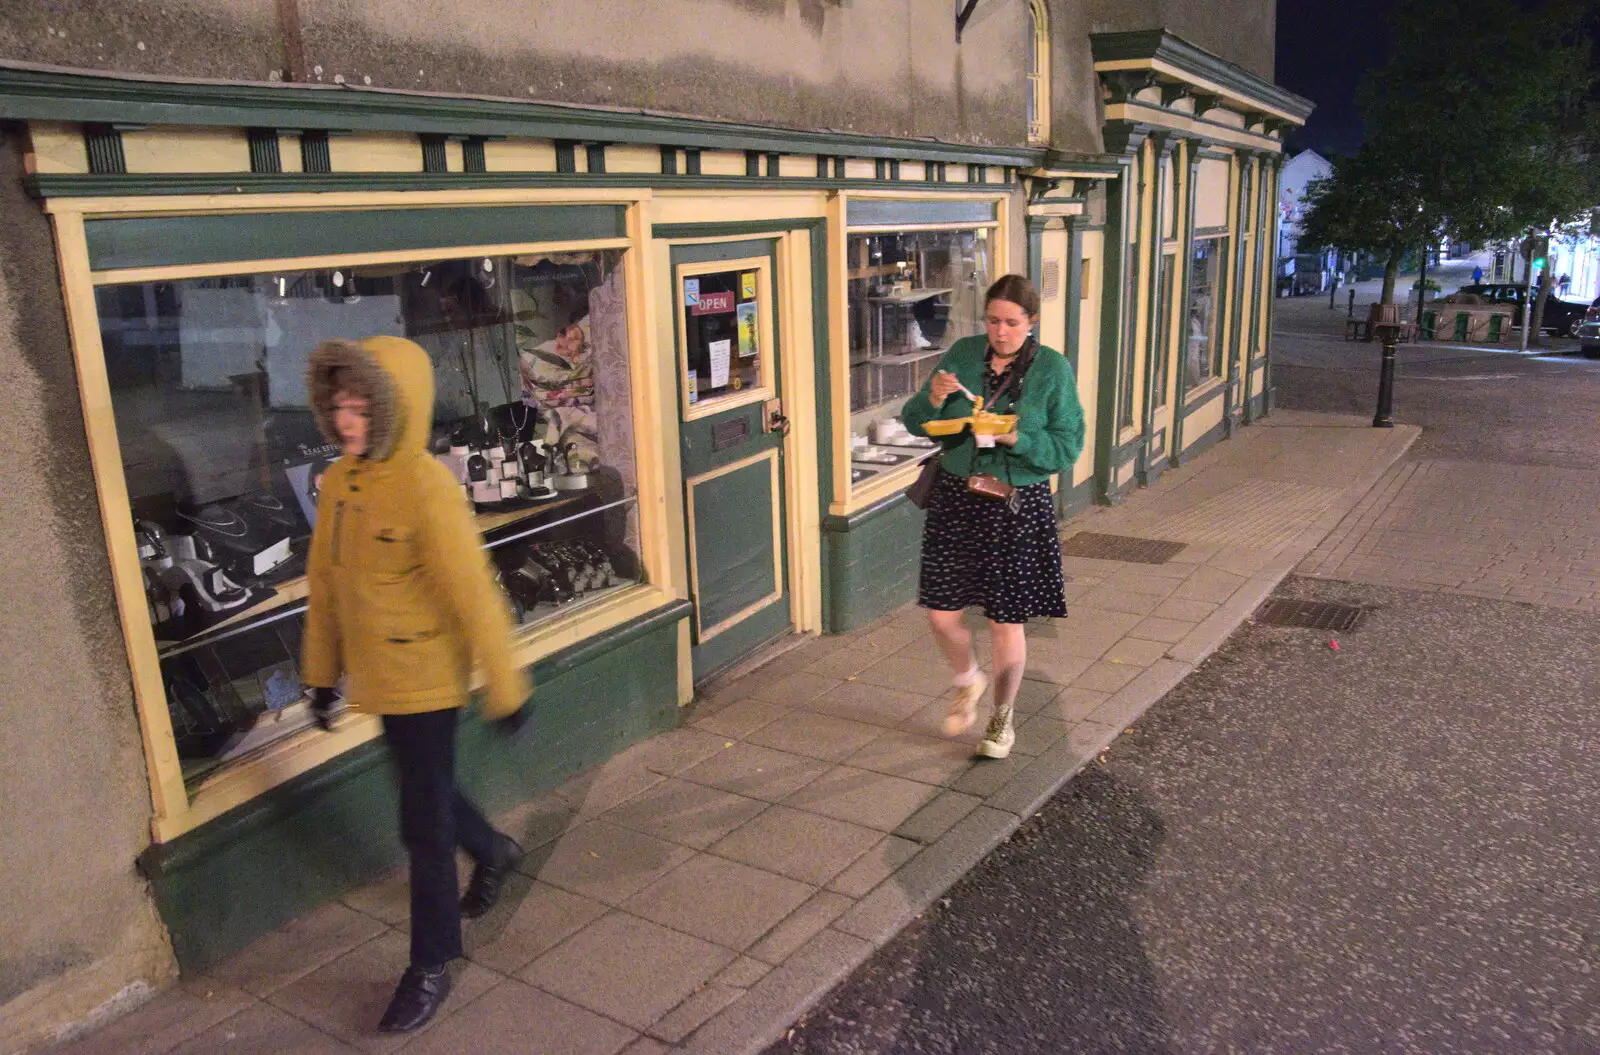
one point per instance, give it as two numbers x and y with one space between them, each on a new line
1547 282
1391 271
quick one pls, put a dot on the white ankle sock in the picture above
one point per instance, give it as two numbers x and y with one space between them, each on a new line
969 678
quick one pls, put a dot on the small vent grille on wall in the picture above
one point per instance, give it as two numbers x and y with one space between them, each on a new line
1050 287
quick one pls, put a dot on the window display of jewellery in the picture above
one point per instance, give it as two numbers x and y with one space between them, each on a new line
235 687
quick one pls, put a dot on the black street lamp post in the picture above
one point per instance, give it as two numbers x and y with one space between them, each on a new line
1383 419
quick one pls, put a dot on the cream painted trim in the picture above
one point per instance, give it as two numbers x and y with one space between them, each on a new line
881 486
1194 395
55 148
1039 83
685 664
770 455
1210 87
216 204
703 408
1146 113
651 474
167 795
839 346
802 488
350 260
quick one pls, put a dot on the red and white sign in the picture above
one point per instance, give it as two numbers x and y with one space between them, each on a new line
713 304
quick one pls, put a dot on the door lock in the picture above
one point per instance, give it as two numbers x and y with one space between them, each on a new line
773 419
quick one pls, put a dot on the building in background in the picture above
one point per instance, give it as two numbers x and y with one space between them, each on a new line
1302 269
673 310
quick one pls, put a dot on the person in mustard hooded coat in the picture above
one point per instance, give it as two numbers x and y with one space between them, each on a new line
402 605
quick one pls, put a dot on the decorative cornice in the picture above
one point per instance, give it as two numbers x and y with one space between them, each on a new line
1126 137
1158 44
1125 84
42 93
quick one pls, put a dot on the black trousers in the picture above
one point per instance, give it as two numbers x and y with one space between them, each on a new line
435 818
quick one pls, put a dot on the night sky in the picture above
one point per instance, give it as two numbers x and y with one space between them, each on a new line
1324 46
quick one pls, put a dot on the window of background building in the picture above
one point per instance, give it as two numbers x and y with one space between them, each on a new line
222 457
911 296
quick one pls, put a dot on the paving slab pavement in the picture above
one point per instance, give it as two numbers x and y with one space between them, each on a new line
699 891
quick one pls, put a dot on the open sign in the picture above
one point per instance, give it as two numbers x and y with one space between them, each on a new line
713 304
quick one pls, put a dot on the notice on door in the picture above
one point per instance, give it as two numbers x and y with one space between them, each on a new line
721 353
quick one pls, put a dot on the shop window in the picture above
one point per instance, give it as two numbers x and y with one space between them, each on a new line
222 457
1203 353
911 296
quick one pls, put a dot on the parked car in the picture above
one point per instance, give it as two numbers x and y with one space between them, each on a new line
1589 331
1561 316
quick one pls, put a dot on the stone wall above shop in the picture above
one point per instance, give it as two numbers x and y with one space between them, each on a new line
1244 32
871 67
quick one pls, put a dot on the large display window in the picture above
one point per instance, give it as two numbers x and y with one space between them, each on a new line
910 296
1203 351
222 459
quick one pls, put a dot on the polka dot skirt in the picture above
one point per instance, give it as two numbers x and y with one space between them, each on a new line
977 553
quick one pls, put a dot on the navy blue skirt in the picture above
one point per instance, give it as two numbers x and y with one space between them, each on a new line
976 553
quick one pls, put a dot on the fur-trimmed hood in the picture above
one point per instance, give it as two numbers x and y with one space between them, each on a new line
399 375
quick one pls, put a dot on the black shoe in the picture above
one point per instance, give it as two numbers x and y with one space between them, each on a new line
416 999
488 877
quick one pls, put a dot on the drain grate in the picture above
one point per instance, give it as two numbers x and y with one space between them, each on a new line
1311 615
1125 548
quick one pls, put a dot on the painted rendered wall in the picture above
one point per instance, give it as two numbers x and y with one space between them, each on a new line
76 921
884 67
1241 31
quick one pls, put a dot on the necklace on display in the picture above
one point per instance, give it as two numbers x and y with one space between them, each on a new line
527 412
232 525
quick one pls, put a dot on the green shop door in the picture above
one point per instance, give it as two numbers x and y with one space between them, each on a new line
732 430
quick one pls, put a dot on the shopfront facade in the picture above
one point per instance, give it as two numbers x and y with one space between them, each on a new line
669 358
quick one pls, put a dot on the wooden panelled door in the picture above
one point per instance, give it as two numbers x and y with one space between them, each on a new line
731 432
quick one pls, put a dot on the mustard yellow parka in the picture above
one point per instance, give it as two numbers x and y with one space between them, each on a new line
402 599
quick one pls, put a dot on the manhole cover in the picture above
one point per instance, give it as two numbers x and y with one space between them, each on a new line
1312 615
1124 548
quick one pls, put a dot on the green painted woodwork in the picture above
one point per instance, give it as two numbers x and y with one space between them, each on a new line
1231 377
264 152
731 542
1157 319
817 227
1113 286
329 831
1034 226
141 184
733 527
103 145
1074 293
207 239
1070 501
48 95
1186 266
1163 46
871 560
887 212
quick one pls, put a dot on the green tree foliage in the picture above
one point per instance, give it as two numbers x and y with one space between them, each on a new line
1480 125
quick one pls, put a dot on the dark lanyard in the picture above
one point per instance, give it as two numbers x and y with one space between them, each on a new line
1012 378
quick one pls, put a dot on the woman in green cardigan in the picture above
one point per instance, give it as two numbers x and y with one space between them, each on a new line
982 551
